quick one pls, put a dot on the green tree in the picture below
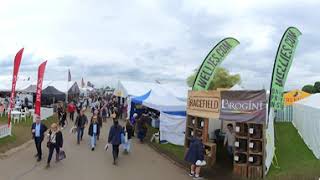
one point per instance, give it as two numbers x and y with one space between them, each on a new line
309 89
221 79
317 87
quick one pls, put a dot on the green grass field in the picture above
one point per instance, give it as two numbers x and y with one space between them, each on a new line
294 157
21 133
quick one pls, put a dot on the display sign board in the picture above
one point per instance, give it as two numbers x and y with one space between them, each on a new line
293 96
204 104
243 106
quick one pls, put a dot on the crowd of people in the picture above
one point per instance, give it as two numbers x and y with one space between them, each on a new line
103 110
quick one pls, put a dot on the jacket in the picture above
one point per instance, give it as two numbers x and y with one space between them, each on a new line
43 129
115 135
90 132
59 138
196 151
81 121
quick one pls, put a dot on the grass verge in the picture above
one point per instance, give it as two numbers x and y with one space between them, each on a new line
21 133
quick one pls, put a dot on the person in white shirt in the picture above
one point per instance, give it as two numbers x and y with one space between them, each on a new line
229 139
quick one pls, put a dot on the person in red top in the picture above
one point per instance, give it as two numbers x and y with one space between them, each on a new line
71 110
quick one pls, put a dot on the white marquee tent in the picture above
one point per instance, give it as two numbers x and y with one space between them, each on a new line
306 118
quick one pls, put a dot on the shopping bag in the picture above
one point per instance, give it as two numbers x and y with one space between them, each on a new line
106 146
62 155
123 139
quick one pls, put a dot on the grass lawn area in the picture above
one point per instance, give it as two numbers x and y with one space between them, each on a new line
173 151
295 159
21 133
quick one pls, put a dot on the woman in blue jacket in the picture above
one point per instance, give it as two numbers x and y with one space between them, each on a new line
115 139
196 152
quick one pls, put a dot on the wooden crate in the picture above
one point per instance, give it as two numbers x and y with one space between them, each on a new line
240 170
255 172
211 157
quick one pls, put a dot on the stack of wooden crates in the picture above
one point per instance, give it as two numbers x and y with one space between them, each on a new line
200 125
249 152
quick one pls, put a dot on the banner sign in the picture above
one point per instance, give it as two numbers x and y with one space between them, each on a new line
204 104
282 66
41 70
16 66
294 96
243 106
213 59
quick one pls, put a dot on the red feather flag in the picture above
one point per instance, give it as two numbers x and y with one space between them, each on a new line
41 70
16 66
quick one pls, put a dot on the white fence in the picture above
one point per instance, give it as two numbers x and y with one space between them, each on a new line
45 114
5 130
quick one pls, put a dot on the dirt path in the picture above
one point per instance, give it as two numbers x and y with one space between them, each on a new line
83 164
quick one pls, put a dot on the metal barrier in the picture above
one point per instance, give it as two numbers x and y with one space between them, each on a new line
285 115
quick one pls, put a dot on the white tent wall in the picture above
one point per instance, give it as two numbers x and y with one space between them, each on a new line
306 119
172 128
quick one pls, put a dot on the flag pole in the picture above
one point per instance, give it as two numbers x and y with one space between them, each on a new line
67 87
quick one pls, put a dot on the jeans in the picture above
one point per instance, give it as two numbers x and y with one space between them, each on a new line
38 142
230 150
93 140
53 147
115 151
127 145
79 134
71 116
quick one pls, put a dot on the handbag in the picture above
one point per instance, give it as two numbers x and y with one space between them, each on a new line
48 144
62 155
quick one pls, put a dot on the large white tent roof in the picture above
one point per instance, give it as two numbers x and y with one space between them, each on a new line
135 88
311 101
163 100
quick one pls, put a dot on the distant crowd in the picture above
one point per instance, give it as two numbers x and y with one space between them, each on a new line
103 109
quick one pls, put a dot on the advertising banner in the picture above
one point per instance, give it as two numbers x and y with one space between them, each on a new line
204 104
41 70
243 106
294 96
282 66
16 66
213 59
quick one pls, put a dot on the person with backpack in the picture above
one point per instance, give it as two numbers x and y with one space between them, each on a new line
114 138
55 142
94 131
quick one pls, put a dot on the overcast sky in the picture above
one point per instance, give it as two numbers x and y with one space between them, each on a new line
104 41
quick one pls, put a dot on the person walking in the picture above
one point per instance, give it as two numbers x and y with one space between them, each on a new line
115 139
128 129
142 128
55 142
94 131
71 110
38 129
195 153
104 113
63 119
80 123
